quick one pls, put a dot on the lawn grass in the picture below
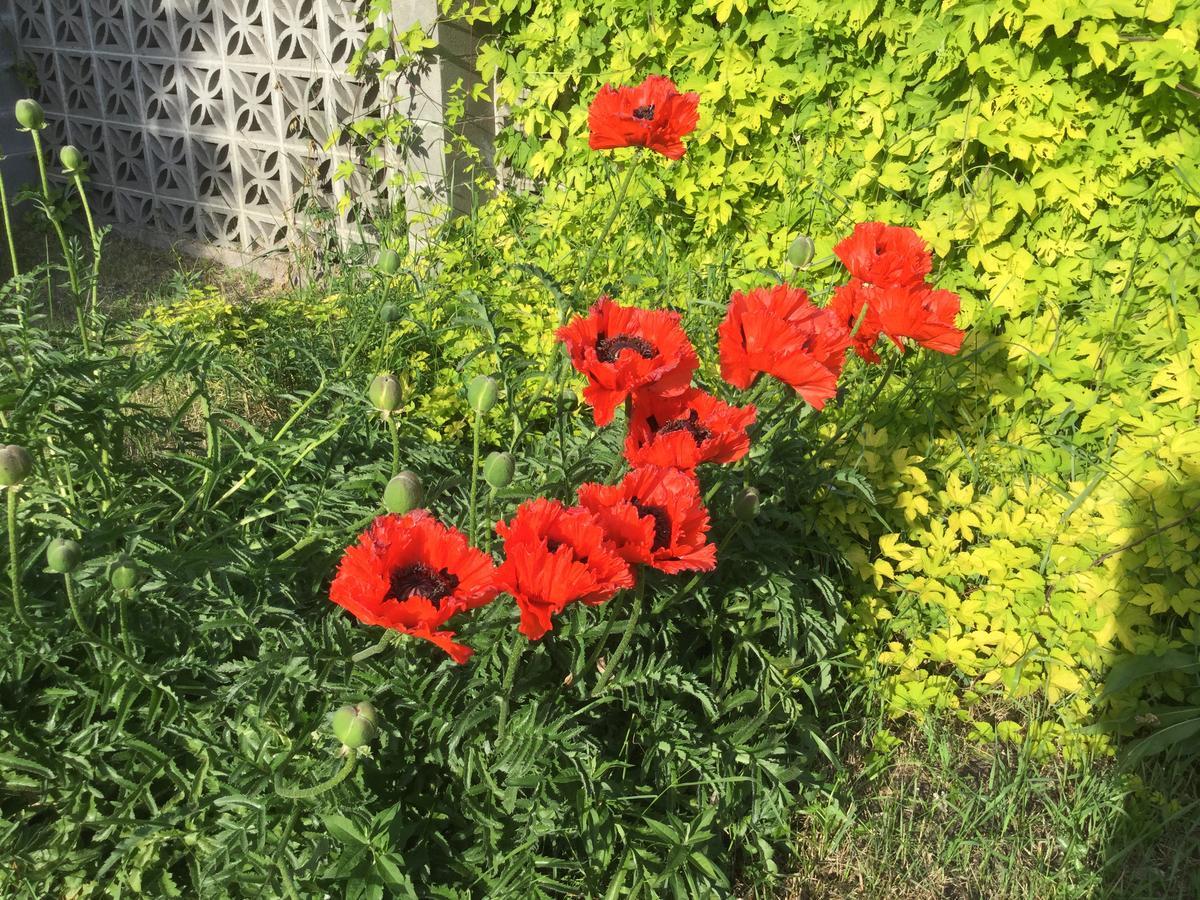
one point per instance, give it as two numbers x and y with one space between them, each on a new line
940 816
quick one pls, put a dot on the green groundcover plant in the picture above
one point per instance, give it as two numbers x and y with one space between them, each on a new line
186 713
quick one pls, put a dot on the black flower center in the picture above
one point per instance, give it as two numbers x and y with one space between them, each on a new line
662 523
690 424
645 113
552 545
424 580
608 348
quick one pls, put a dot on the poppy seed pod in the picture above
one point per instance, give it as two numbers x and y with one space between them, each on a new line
388 262
498 469
403 493
800 251
745 505
15 465
72 160
482 393
384 393
30 115
389 312
124 574
354 725
63 555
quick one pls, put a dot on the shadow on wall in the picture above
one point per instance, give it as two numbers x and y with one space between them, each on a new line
203 120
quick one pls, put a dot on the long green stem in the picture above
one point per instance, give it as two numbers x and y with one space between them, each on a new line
76 614
864 410
68 258
634 614
91 224
316 790
14 565
126 640
602 237
394 426
8 232
474 474
510 676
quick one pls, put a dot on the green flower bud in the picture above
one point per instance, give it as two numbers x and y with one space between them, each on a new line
63 555
15 465
745 504
72 160
498 469
30 115
403 493
124 574
354 725
384 393
389 312
388 262
800 252
482 393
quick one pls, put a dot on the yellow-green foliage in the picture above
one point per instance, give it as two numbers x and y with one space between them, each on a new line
208 314
1042 520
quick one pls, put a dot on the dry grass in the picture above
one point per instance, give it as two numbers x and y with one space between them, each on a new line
946 818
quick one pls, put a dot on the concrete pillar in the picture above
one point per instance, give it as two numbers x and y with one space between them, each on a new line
425 96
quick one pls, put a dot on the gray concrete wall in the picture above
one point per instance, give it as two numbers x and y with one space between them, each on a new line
17 163
204 120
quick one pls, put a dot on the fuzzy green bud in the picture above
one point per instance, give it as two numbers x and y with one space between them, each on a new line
498 469
388 261
354 725
30 115
800 252
403 493
745 504
384 393
15 465
63 555
124 574
389 312
72 160
482 393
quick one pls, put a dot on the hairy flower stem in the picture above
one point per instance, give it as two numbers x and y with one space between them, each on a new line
510 676
316 790
630 626
8 232
471 534
126 640
75 611
14 566
394 426
91 224
72 275
602 237
864 410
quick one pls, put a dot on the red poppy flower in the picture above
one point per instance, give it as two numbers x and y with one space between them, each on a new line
885 255
778 330
412 573
687 430
654 114
654 516
922 314
555 556
847 304
621 349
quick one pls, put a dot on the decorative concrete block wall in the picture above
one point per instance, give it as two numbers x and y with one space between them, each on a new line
204 119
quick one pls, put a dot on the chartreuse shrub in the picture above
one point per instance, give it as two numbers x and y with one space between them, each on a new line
1027 518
